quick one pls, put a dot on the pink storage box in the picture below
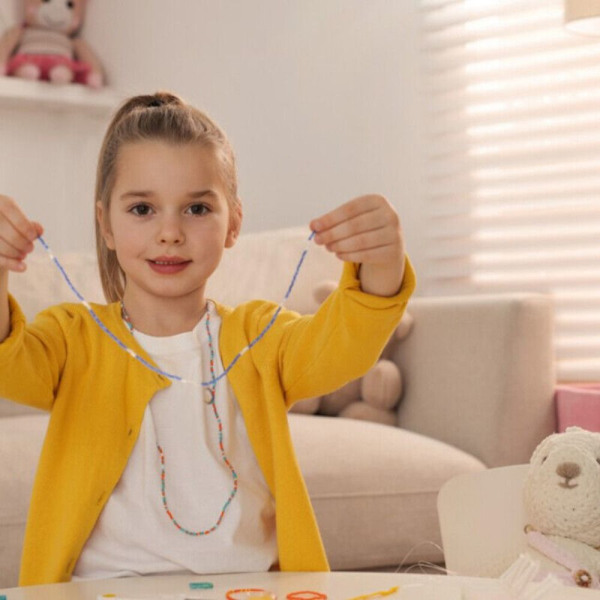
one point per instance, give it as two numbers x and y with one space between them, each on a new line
578 405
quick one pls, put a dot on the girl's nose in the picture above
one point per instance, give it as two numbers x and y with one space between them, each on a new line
170 231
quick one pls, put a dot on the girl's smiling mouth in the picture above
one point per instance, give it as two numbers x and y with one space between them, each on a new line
168 265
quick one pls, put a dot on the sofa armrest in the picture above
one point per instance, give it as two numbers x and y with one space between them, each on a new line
479 374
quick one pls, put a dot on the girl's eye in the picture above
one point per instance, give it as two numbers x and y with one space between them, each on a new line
198 209
141 210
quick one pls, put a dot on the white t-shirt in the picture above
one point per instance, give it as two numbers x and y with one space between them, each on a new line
134 535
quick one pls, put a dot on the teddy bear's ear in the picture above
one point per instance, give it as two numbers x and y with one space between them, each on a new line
309 406
574 429
322 290
543 447
404 326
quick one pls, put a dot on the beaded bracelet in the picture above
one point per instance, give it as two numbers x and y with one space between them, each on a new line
306 595
254 593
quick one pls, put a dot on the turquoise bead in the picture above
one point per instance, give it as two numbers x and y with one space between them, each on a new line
197 585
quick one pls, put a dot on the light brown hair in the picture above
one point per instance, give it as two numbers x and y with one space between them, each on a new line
163 117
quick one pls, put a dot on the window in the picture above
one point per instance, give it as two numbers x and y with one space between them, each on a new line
512 185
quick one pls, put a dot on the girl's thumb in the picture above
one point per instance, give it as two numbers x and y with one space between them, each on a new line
38 228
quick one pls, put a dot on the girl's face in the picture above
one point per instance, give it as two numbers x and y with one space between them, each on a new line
168 221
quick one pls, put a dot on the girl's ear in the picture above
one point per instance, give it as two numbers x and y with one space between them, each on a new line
235 224
104 225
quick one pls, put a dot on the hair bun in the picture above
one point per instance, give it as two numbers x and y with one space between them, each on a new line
162 99
148 101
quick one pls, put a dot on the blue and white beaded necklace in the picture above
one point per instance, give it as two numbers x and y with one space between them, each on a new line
141 359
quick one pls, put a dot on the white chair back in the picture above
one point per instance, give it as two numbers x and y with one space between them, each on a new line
482 519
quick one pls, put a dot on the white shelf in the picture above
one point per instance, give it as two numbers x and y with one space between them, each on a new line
20 93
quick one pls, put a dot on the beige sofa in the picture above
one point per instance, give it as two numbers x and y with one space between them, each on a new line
478 392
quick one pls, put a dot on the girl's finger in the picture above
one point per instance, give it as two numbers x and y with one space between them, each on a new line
350 210
39 229
8 250
14 216
377 255
11 264
374 238
10 238
356 226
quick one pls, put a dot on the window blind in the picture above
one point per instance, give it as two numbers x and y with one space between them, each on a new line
512 177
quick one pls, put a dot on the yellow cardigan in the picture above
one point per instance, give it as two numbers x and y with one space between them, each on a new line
97 395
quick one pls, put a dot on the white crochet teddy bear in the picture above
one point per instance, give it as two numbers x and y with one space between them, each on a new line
562 504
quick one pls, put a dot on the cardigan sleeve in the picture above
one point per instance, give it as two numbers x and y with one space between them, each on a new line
342 340
32 357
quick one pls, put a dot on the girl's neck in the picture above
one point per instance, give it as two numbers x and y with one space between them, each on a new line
164 318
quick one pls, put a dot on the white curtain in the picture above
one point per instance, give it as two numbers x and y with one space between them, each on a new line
512 105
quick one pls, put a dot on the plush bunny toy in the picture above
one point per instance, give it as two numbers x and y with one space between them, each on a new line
46 46
562 503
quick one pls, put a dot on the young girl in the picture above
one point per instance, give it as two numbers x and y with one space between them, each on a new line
140 474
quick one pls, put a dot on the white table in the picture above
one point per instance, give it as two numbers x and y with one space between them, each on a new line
337 586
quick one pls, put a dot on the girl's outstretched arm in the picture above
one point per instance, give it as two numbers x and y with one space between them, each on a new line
367 231
17 234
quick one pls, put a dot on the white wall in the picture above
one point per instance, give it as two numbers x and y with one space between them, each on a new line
319 97
47 164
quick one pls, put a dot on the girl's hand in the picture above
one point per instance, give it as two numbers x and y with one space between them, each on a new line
17 234
366 230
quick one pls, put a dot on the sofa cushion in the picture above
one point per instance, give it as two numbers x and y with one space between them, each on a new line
374 489
20 445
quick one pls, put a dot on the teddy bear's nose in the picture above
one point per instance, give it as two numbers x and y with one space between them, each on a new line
568 470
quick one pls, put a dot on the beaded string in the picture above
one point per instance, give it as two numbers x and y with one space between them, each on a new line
234 476
149 365
251 594
163 467
306 595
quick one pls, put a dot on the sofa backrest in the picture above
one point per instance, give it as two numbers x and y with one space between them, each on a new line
479 373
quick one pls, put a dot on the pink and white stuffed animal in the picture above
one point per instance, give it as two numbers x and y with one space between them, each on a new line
562 504
47 46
